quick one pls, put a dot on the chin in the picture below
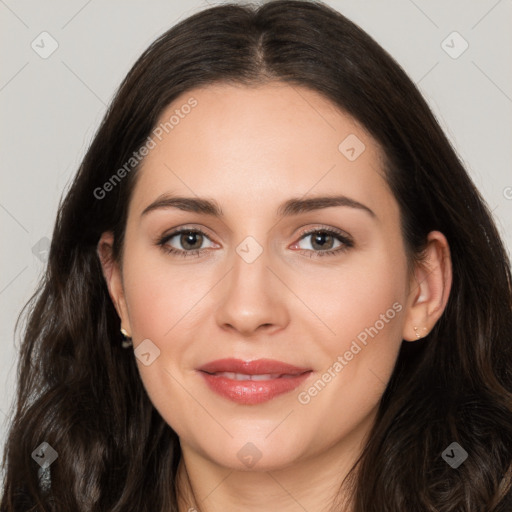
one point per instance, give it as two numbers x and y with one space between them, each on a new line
255 453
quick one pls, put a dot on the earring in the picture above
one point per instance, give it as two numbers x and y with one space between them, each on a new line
127 342
418 335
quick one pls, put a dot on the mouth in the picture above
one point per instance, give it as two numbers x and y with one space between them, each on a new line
252 382
242 376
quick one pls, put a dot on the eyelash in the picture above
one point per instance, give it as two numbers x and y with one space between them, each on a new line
339 235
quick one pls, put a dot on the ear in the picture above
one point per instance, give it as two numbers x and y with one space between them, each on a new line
113 278
429 288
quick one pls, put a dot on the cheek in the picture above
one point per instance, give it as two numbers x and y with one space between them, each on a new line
364 314
160 295
361 299
152 303
161 303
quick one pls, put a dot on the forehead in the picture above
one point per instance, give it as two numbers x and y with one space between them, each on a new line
260 142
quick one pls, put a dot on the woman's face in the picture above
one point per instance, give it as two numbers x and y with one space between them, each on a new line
318 284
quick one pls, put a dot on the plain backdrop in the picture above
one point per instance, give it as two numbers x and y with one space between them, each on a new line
51 106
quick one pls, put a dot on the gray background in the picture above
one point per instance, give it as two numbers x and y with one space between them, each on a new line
51 107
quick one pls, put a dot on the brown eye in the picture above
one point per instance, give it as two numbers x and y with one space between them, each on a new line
323 242
185 242
191 239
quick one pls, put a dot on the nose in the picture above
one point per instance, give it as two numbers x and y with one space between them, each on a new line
252 298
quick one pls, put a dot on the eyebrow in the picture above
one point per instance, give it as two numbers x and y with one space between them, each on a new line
293 206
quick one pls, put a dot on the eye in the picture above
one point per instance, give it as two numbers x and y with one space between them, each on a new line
191 241
323 242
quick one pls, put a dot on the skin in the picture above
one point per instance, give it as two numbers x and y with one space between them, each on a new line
250 149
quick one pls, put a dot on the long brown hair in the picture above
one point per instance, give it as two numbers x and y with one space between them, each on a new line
81 392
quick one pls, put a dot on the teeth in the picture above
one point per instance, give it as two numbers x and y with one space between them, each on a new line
243 376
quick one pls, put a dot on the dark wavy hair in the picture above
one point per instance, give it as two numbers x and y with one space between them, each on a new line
81 392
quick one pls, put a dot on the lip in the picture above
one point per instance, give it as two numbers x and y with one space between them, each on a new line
284 378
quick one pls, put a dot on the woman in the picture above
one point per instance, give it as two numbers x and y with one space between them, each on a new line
271 286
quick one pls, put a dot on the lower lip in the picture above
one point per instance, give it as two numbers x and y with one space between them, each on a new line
251 392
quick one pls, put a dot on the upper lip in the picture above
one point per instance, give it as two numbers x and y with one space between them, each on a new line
255 367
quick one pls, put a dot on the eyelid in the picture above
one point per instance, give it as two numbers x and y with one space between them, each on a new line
329 229
169 233
323 228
